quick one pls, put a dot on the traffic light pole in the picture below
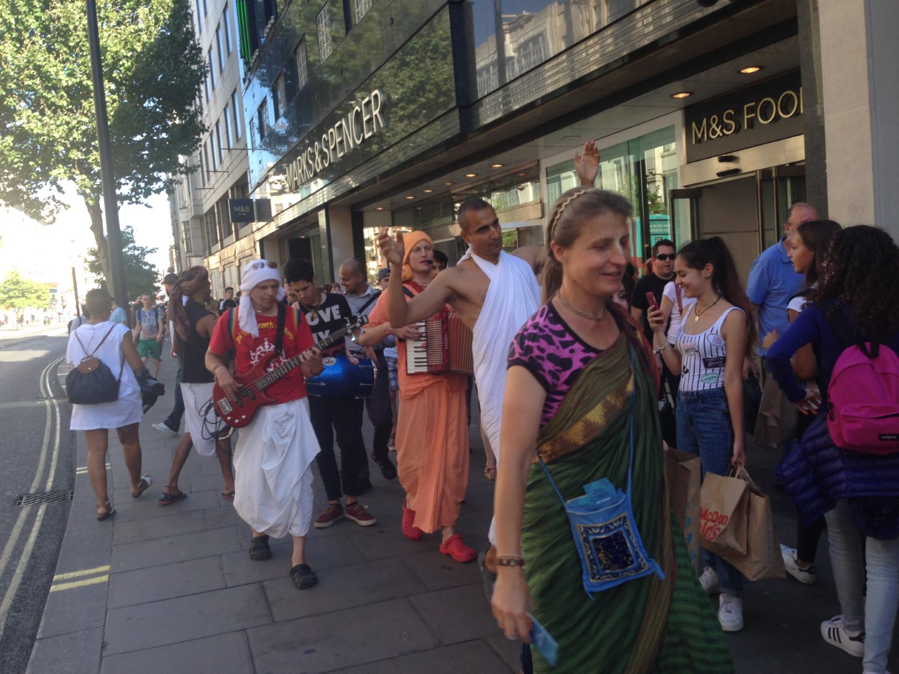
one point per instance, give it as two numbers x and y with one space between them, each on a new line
107 170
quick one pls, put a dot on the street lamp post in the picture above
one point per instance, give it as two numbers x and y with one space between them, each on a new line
107 170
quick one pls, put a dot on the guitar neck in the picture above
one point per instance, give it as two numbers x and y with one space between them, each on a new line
291 364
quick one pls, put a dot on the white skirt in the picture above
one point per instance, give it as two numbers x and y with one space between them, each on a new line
273 470
195 397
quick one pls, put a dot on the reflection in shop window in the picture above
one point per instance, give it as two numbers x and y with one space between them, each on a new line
302 67
532 52
279 96
362 7
323 23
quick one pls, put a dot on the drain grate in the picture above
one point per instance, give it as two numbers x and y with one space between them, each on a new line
46 497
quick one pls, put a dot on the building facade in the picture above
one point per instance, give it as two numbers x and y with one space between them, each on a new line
363 114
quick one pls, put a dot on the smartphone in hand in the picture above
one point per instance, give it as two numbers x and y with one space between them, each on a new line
651 299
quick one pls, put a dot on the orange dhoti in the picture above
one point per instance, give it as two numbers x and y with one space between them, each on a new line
432 450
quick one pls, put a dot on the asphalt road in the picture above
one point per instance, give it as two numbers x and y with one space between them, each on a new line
37 454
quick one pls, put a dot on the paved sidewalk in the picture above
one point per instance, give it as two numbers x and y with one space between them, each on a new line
172 589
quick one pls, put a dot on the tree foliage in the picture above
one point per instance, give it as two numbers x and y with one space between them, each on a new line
141 276
22 293
153 69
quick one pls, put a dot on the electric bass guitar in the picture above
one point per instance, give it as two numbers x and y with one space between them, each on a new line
251 395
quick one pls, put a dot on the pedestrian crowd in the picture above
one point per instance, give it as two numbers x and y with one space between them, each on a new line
586 381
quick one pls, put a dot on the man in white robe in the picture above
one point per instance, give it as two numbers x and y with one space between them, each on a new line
274 454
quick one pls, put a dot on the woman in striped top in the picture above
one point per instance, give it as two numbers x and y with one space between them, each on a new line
708 355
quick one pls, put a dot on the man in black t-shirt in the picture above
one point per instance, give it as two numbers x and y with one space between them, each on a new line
326 313
663 255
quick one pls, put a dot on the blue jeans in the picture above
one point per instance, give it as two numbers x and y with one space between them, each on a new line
704 428
877 615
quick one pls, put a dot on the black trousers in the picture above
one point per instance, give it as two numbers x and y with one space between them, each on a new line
343 417
379 412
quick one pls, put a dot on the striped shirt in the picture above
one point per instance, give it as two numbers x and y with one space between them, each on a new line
703 355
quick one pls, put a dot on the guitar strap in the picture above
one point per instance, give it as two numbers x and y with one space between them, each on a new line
279 335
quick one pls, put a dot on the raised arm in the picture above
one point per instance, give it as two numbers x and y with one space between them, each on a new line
399 312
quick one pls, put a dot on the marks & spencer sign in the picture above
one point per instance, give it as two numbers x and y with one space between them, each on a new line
760 114
364 119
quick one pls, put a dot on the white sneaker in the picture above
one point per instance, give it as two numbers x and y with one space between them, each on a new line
709 580
835 634
730 613
807 575
165 429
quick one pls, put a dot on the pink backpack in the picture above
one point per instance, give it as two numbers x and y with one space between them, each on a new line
863 395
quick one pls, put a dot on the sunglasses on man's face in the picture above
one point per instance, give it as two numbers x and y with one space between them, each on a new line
664 257
262 264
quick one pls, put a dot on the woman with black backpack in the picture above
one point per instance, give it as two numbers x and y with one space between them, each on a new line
837 468
105 393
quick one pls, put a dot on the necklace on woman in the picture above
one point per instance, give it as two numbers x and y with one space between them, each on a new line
582 314
701 312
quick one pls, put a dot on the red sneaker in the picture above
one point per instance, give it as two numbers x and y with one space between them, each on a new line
331 514
359 515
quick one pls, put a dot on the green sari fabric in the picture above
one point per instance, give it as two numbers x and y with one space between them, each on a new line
644 625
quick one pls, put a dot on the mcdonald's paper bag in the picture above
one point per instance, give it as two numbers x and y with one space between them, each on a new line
722 519
684 476
763 558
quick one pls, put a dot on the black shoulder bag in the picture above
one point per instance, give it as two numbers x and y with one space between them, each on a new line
92 383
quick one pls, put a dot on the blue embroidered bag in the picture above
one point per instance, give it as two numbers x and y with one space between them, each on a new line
604 529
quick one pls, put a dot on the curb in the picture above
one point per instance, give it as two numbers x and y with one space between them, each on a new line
70 636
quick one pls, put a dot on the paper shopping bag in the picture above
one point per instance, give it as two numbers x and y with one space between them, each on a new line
684 476
763 558
722 519
777 418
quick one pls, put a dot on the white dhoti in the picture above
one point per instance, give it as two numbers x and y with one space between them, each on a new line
196 397
512 298
273 466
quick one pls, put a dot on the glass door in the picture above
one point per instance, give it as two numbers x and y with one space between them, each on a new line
684 205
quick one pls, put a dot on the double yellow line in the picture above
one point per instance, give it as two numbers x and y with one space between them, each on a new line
100 575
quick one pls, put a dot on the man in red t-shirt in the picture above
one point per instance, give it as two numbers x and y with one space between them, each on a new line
273 457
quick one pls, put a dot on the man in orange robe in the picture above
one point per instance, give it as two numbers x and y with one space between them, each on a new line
432 430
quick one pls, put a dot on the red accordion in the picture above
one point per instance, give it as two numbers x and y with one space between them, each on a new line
445 347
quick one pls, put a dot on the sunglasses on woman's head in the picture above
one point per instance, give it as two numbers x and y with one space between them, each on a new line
665 257
262 264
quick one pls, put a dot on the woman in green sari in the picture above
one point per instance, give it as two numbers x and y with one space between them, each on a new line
570 394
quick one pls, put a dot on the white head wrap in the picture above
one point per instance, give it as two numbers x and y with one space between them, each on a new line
254 274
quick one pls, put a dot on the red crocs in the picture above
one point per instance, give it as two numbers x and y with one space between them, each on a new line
410 531
455 548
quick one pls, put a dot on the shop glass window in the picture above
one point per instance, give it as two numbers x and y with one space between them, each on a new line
218 48
226 26
218 140
362 7
238 129
302 68
226 119
532 52
644 170
323 24
211 69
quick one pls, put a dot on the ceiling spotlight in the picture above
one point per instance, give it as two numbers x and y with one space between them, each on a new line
410 197
449 182
750 70
682 94
428 191
380 208
496 165
471 175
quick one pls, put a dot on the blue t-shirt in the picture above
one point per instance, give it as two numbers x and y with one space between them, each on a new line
772 282
119 316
